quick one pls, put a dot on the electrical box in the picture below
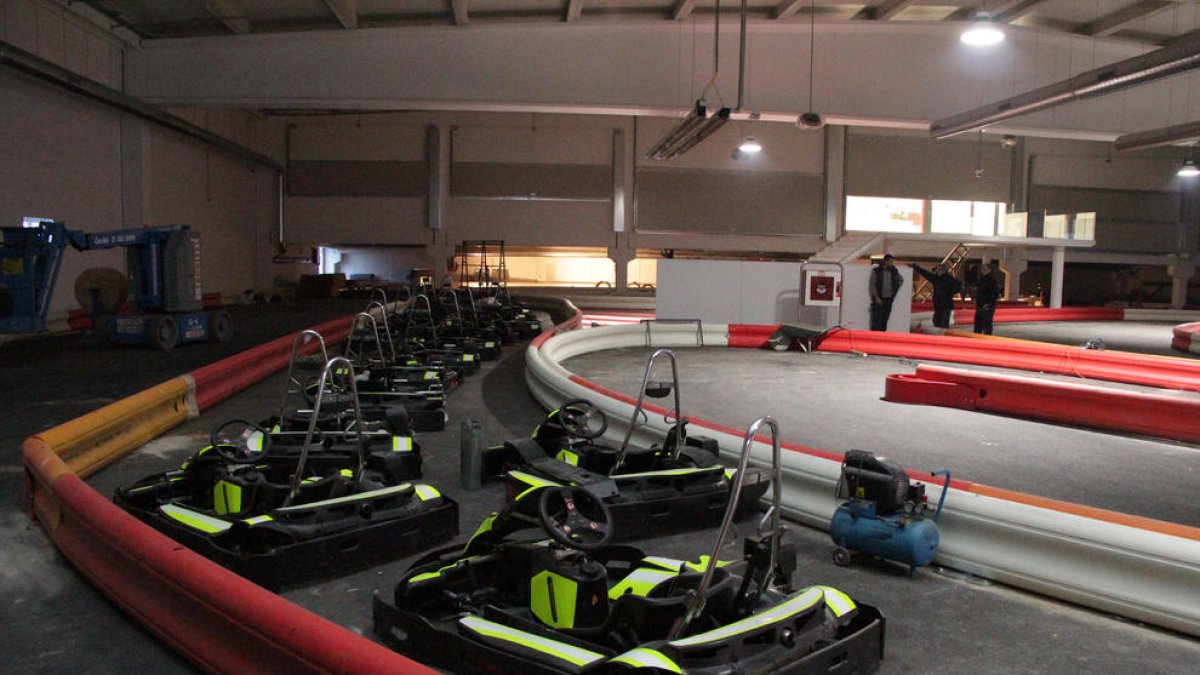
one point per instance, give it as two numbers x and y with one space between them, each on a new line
822 286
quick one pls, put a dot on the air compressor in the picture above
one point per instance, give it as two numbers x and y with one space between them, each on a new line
883 514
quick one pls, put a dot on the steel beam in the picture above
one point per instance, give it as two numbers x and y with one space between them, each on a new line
346 12
462 15
1111 23
574 10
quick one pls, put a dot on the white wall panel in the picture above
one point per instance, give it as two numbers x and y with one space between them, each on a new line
728 291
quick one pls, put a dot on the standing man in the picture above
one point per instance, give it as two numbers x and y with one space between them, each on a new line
884 285
987 292
944 287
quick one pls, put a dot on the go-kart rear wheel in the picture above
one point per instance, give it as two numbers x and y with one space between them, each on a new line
575 518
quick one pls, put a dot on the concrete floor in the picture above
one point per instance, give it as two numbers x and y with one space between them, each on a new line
938 622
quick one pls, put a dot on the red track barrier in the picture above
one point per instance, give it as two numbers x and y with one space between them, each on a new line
748 336
1169 417
1186 337
1155 371
218 381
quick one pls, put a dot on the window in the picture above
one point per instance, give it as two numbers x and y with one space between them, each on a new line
885 214
959 217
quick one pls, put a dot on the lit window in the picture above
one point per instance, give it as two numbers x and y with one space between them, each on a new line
960 217
885 214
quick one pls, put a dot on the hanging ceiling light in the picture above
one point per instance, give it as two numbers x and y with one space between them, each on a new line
750 146
1188 170
983 32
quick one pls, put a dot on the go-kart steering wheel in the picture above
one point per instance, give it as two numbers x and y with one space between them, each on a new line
575 518
576 418
245 447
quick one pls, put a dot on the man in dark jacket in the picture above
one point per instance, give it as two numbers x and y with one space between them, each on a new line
944 287
885 283
987 292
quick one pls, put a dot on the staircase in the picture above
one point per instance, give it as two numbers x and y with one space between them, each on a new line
849 246
923 290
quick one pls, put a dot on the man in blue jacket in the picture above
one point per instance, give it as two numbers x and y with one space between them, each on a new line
884 286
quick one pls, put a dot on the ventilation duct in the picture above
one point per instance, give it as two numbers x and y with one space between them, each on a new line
1109 79
1180 134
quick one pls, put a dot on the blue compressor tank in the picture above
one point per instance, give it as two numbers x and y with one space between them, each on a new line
898 537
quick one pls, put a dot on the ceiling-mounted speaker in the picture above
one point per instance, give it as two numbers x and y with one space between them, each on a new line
810 121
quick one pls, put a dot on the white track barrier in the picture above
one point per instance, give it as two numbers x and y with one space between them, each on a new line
1107 564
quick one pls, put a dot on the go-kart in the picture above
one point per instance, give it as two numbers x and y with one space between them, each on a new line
389 382
386 428
568 601
283 515
660 489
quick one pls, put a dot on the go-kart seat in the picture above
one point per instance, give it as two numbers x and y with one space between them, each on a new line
652 615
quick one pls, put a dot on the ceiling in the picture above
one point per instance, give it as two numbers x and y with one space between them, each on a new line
1149 22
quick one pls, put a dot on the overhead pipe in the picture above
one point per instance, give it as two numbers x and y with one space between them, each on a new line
1188 132
30 64
1109 79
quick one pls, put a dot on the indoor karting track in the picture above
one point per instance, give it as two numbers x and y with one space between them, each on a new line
939 621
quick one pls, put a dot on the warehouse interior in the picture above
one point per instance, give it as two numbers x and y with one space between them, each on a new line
365 141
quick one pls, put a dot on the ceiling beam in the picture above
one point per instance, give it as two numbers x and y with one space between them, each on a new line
574 10
683 9
883 11
1107 25
462 16
230 13
1002 12
787 8
346 12
1015 10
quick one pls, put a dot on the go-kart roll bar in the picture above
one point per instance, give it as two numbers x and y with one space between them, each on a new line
306 335
386 328
457 307
330 367
637 409
409 324
695 602
354 322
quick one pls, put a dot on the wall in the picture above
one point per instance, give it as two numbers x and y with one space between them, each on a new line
76 160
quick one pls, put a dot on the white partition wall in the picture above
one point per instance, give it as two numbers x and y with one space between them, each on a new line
856 299
728 291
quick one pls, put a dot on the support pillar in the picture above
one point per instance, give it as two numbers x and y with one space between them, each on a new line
1181 271
1014 264
1058 263
621 258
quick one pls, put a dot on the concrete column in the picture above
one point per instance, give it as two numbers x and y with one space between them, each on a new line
1014 264
835 181
1057 265
1181 271
621 258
